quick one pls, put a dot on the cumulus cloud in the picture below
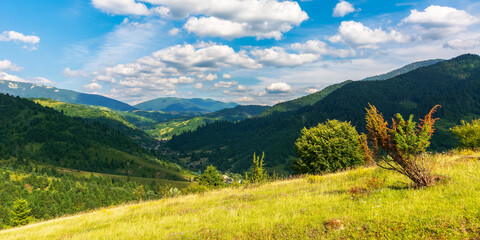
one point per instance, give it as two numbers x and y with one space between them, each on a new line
163 70
278 57
121 7
279 87
224 84
244 99
218 18
41 81
173 31
437 22
357 35
321 48
31 40
9 77
311 90
6 65
198 86
227 76
92 87
343 8
467 43
67 72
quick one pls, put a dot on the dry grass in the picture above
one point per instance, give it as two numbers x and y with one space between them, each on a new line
318 207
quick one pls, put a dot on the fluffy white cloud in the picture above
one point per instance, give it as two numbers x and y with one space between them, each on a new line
467 43
227 76
32 40
279 87
343 8
437 22
92 87
67 72
173 31
244 99
356 34
321 48
9 77
311 90
277 57
224 84
41 80
219 18
121 7
198 85
6 65
162 71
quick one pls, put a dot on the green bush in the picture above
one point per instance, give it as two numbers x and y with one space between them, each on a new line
468 133
328 147
211 178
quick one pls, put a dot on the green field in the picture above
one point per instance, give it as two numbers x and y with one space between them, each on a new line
309 207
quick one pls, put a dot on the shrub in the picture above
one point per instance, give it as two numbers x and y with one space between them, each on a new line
211 178
404 143
258 173
194 188
328 147
468 133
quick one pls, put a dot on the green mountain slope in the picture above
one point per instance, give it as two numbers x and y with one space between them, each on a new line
30 132
29 90
307 100
112 118
179 125
454 84
173 104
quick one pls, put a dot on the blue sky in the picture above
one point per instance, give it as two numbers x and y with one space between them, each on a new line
246 51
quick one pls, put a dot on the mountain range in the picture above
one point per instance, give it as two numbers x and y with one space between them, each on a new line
454 84
173 104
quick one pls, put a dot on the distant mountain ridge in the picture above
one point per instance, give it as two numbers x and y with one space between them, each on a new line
404 69
174 104
30 90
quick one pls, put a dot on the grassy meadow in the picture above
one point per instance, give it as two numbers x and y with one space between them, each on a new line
308 207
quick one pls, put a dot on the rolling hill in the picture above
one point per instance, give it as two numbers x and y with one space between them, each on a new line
177 126
173 104
454 84
312 207
404 69
31 133
29 90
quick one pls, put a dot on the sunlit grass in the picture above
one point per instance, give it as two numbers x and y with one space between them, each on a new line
298 208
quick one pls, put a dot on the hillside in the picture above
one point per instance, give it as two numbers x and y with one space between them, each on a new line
304 101
112 118
173 104
315 207
177 126
29 90
32 133
454 84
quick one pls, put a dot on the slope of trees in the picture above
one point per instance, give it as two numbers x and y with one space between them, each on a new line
31 132
454 84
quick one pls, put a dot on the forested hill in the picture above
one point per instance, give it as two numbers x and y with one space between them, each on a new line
404 69
30 132
454 84
29 90
173 104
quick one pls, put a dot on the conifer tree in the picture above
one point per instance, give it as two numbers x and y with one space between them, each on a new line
258 173
21 213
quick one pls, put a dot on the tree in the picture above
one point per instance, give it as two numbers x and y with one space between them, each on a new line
468 133
258 173
211 178
328 147
21 213
404 143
